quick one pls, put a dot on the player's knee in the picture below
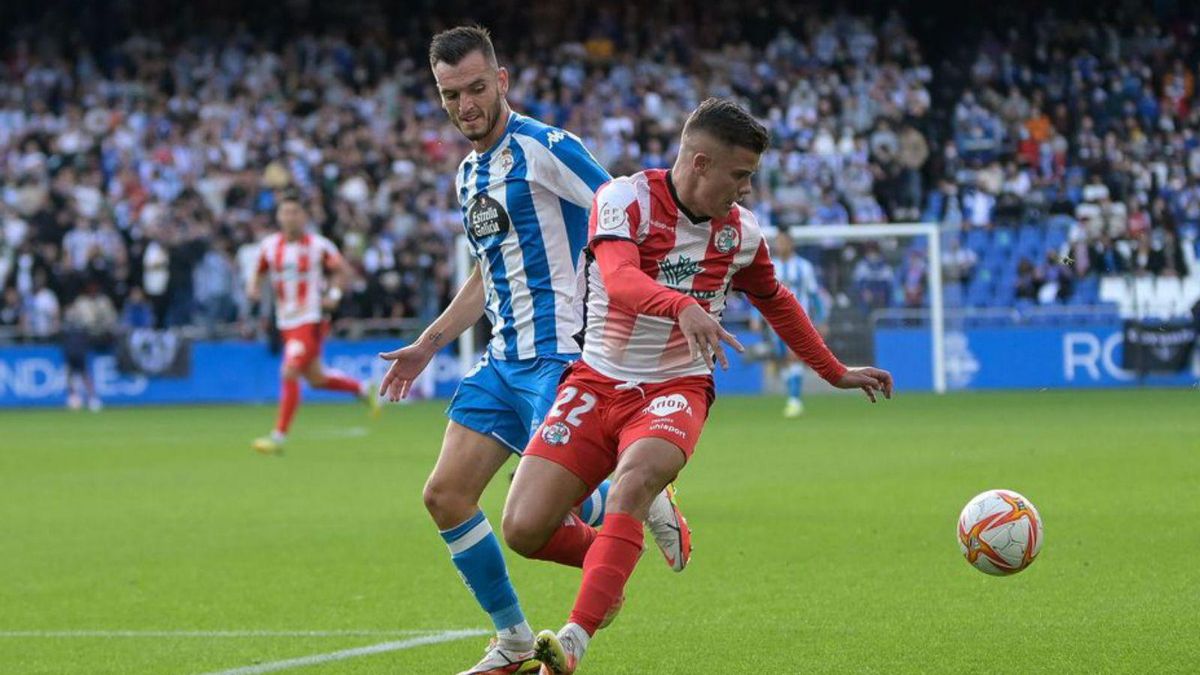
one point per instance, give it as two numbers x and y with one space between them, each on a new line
522 534
632 491
289 372
448 507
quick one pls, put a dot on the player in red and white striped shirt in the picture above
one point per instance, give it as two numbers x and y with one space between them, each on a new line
302 266
665 249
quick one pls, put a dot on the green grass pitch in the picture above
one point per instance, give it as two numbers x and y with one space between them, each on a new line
824 544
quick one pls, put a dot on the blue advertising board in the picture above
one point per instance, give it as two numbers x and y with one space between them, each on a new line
1018 358
231 372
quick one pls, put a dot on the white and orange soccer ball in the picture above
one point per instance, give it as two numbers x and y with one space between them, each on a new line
1000 532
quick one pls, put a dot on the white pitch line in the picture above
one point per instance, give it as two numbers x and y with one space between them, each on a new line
208 633
317 659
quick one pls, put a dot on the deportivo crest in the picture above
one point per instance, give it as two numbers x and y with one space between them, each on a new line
486 218
556 434
678 271
661 406
504 162
727 239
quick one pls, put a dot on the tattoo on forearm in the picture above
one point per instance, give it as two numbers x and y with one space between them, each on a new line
434 338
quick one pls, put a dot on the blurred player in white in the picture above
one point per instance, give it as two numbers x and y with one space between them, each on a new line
302 266
799 276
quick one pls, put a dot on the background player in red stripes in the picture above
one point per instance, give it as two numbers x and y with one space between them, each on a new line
304 270
665 248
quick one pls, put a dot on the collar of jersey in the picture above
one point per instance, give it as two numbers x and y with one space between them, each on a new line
692 218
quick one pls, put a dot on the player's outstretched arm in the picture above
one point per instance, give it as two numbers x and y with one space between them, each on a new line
407 362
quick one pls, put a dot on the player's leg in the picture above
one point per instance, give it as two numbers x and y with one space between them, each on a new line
538 520
297 354
320 377
482 417
643 471
466 464
794 381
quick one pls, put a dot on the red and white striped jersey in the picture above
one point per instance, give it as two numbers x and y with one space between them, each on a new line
696 259
299 272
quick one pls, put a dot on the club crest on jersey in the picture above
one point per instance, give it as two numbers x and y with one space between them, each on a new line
486 218
556 434
661 406
504 163
675 272
727 239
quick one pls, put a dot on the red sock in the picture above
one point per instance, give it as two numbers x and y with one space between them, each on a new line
289 399
341 382
606 569
569 543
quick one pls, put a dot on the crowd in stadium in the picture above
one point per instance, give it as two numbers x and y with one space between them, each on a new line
134 182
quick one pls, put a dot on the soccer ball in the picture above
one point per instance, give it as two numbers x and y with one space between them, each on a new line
1000 532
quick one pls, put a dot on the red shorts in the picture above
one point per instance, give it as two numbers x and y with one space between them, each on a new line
302 344
593 421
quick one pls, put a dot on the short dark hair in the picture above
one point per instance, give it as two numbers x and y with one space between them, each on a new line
453 45
291 194
729 123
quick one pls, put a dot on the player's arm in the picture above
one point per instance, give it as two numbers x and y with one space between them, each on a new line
253 283
407 362
340 276
779 307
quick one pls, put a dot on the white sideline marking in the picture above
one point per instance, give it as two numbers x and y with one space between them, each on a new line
316 659
208 633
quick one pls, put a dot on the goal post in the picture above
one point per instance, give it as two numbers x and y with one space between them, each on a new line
933 272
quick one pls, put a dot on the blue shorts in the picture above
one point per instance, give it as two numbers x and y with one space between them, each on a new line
508 399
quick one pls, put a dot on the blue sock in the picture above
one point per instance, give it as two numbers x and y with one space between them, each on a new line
795 380
476 553
592 508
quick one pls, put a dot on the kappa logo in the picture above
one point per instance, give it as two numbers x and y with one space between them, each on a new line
554 137
556 434
678 271
661 406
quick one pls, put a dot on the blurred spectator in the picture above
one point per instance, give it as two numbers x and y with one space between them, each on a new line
873 278
137 312
88 325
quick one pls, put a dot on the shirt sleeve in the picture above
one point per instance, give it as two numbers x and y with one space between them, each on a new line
631 288
579 174
615 212
779 307
331 258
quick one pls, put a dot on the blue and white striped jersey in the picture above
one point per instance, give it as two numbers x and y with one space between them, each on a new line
525 208
799 275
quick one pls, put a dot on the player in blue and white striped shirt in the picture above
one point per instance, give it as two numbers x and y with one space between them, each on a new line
799 275
525 193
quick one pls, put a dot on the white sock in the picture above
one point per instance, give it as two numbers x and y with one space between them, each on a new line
278 436
581 636
518 638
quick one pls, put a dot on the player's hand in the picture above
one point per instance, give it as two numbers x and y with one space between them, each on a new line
704 336
253 295
869 379
407 363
